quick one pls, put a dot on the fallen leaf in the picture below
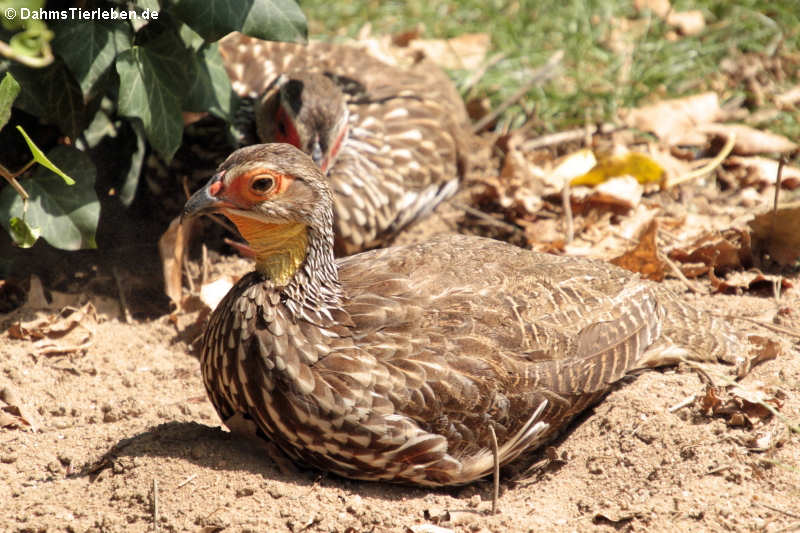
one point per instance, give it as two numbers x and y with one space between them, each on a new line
634 164
172 248
624 192
213 292
659 7
789 99
672 120
467 51
13 414
749 280
643 258
776 233
750 141
722 251
762 172
687 22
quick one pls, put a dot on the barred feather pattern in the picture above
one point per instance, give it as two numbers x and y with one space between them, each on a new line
408 142
399 372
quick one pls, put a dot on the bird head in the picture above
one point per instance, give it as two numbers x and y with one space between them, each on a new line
306 110
273 193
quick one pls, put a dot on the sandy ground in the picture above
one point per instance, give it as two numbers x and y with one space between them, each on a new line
126 440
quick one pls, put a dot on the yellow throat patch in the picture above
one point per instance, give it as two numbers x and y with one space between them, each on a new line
279 249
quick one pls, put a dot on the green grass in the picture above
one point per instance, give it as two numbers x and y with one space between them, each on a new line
597 80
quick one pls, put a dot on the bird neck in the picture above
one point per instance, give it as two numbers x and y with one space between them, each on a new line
278 249
295 257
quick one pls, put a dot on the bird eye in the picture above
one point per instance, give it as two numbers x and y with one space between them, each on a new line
262 184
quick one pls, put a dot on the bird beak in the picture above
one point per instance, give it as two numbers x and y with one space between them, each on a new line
204 201
316 153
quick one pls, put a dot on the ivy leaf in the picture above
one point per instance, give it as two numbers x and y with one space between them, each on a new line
89 49
145 92
271 20
9 89
23 235
66 216
42 159
211 87
53 95
131 178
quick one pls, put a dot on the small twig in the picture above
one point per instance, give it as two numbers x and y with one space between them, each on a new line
702 171
685 403
155 505
778 179
123 301
485 216
496 493
11 178
188 276
221 222
677 271
767 325
29 61
186 481
204 269
543 73
718 469
185 184
578 134
778 510
476 76
569 223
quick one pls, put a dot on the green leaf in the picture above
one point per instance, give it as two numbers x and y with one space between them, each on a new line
42 159
272 20
146 93
23 235
211 87
9 89
66 216
89 48
17 22
53 95
131 177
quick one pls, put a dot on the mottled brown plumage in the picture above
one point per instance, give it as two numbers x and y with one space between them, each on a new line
393 141
392 364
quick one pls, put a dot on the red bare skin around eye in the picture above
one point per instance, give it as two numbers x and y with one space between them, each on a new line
289 135
335 150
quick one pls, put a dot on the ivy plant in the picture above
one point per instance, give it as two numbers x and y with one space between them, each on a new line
120 73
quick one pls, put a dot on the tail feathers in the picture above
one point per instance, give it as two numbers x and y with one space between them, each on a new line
531 435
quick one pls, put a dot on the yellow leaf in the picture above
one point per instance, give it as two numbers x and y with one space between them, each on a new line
634 164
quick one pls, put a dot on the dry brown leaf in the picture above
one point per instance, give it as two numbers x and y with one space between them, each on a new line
624 192
672 120
777 233
212 293
687 22
70 327
748 280
172 248
762 172
643 258
518 188
725 250
750 141
788 100
13 414
466 51
659 7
